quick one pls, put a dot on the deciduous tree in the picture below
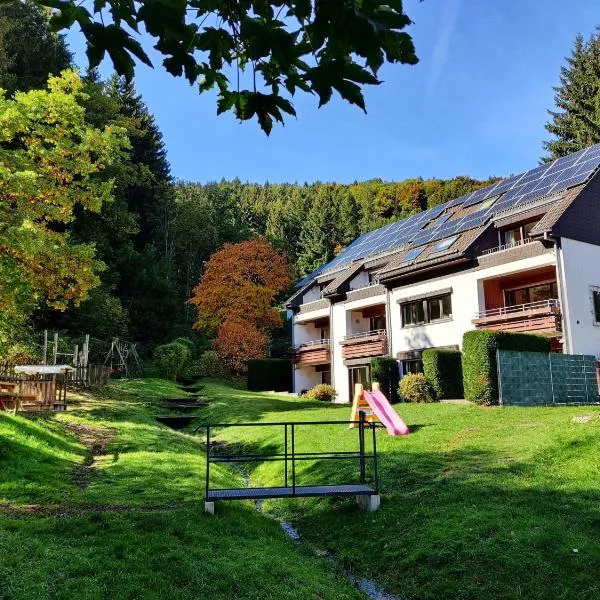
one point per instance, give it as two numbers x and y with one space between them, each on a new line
50 161
241 283
284 46
238 342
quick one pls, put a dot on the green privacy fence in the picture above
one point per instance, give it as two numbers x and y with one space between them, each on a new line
535 378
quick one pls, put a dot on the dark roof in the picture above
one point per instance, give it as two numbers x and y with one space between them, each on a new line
543 185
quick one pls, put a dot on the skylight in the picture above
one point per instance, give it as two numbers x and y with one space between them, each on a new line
444 244
413 254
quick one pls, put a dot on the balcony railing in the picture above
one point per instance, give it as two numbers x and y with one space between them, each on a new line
366 334
552 305
322 342
507 246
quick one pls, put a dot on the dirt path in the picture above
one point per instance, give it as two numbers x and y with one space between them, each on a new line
95 439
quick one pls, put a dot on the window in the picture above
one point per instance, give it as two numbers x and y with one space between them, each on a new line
444 244
534 293
412 366
430 310
326 377
377 323
413 254
596 304
512 236
325 333
373 278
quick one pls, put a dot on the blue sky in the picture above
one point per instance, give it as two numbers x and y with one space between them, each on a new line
475 104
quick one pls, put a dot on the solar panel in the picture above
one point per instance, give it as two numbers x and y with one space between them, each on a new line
545 179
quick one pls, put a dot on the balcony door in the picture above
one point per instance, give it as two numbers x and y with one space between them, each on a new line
534 293
360 375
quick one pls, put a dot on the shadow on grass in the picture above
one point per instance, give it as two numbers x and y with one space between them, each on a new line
460 524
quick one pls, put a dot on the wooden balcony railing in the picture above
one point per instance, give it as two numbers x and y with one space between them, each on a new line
315 352
365 344
541 317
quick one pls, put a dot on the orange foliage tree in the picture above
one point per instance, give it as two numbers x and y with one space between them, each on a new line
235 298
237 343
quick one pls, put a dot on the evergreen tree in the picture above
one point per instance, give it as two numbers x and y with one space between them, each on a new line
576 122
318 234
29 51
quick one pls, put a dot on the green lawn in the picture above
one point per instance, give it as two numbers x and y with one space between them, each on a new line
134 526
476 503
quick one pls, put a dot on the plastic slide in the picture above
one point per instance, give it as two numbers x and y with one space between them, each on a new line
385 413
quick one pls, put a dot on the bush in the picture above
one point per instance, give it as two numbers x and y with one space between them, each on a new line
270 374
415 388
384 370
208 365
322 392
171 359
480 375
443 370
189 344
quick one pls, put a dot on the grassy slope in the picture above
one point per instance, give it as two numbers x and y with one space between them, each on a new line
137 529
476 502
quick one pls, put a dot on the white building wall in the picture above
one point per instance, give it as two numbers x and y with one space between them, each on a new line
305 378
339 372
467 300
579 269
312 295
360 281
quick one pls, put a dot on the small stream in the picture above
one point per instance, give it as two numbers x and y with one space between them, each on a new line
366 586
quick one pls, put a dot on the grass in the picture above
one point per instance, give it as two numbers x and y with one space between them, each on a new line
133 525
476 503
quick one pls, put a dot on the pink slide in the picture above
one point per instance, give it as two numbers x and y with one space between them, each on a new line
385 413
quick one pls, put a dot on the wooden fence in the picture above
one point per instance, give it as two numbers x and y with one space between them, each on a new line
79 377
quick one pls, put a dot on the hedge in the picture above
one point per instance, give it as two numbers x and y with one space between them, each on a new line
384 370
270 374
480 374
442 368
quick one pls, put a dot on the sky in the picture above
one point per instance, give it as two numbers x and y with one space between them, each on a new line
475 104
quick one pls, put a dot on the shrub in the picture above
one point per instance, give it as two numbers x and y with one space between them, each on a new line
384 370
443 370
415 388
480 375
189 344
270 374
171 359
208 365
322 392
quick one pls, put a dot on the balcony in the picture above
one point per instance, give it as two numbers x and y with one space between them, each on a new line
541 317
368 343
315 352
510 246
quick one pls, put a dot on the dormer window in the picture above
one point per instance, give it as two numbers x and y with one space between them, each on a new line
516 235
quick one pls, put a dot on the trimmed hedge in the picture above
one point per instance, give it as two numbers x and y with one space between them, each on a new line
442 367
415 388
270 374
384 370
480 371
322 392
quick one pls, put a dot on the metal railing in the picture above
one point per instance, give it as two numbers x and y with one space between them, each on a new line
512 310
507 246
322 342
366 334
290 457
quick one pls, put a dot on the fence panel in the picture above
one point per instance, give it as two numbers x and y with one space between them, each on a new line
534 378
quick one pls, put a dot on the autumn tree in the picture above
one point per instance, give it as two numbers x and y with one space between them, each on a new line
50 161
241 282
238 342
236 297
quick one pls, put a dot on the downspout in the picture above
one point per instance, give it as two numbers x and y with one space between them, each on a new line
331 344
562 295
388 320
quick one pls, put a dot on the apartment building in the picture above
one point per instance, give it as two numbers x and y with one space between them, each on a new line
521 255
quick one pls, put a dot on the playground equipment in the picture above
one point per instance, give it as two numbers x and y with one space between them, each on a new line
376 407
123 358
